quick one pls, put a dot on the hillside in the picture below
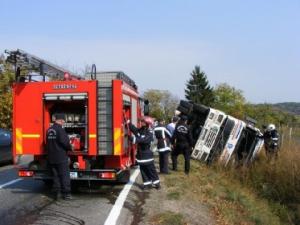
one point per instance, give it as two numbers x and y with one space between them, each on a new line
291 107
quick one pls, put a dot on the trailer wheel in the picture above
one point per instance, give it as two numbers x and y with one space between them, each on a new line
200 109
186 104
183 110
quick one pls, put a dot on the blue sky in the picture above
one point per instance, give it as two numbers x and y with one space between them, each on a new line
251 45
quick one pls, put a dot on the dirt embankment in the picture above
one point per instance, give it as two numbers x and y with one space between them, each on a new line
204 197
171 205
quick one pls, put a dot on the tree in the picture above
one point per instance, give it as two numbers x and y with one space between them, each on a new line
198 89
162 103
267 113
230 100
6 80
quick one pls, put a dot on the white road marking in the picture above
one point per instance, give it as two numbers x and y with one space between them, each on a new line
116 210
10 183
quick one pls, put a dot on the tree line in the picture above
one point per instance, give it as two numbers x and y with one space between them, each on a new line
223 97
163 103
6 80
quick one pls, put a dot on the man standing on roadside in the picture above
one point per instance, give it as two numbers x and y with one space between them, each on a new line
182 142
57 145
163 137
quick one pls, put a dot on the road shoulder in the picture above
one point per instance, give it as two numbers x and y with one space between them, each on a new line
164 206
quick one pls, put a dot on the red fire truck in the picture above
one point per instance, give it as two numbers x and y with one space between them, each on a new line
96 110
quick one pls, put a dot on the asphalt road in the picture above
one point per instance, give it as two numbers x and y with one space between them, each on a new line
29 202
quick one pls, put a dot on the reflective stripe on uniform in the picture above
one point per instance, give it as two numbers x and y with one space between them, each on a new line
156 182
164 149
163 130
133 139
144 160
147 183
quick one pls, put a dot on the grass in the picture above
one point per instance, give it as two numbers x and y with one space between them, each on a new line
276 180
230 201
267 192
175 195
168 218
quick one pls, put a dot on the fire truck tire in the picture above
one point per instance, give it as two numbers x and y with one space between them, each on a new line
124 177
48 183
75 185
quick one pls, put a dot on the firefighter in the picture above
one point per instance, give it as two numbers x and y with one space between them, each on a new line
163 137
144 157
271 138
182 142
57 145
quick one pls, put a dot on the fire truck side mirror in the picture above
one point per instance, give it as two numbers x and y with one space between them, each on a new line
146 108
93 72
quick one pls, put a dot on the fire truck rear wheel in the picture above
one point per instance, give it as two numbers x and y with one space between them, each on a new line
48 183
124 177
75 185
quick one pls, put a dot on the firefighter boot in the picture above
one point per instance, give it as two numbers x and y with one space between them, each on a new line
157 186
67 197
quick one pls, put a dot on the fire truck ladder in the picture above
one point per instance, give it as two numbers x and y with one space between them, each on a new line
23 60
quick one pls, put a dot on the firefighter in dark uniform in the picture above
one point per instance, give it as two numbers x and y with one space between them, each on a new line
271 139
58 144
163 137
182 142
144 157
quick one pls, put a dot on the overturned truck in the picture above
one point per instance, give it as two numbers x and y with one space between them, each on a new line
221 137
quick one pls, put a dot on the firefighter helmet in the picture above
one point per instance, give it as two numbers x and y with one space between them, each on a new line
148 120
271 127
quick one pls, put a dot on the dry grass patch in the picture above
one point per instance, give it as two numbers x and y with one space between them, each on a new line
168 218
276 180
230 202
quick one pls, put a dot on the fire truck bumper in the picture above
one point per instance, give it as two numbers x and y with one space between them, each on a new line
99 174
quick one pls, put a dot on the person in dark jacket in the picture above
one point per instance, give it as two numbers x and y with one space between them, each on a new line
271 139
163 137
144 157
182 142
58 144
